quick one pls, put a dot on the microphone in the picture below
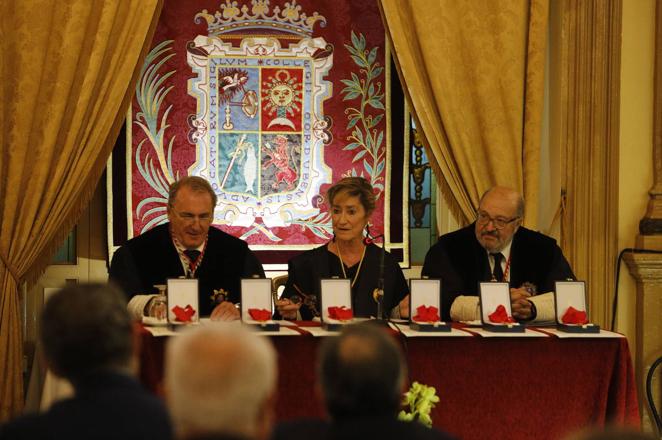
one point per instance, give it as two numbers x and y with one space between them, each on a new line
378 294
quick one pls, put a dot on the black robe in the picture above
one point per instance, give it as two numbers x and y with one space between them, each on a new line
461 263
151 258
306 270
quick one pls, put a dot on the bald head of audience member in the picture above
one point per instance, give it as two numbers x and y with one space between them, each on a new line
220 381
362 373
85 329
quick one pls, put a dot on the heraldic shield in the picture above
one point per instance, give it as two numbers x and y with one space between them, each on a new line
260 126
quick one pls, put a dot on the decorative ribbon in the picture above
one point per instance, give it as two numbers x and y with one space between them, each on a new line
500 316
260 314
574 316
426 314
183 314
341 313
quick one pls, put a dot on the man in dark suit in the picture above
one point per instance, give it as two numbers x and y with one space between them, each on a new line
87 337
497 248
186 246
361 374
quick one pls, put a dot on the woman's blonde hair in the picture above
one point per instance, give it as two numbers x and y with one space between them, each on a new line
355 187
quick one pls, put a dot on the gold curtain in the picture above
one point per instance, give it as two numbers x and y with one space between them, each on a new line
473 72
589 64
67 70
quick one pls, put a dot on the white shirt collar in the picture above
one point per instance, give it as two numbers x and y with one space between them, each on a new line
506 256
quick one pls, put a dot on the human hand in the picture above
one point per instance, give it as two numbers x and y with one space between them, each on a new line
520 304
225 311
287 309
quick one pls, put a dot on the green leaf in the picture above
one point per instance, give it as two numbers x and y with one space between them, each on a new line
359 61
351 83
378 71
355 40
376 120
350 90
352 146
380 167
351 96
359 155
353 121
356 79
372 55
376 104
380 138
358 135
367 166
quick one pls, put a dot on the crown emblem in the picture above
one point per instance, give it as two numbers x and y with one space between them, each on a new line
260 18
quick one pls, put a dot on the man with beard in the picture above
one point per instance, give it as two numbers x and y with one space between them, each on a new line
497 248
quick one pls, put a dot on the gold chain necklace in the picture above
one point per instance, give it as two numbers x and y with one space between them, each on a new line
342 265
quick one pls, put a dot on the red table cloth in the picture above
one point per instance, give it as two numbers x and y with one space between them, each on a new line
501 388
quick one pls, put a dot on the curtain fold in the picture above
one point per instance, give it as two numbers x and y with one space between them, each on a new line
68 70
473 72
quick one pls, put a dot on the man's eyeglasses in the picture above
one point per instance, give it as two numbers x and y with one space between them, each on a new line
483 218
187 217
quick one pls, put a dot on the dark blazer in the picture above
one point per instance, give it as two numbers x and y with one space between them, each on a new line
105 406
151 258
461 263
306 270
361 428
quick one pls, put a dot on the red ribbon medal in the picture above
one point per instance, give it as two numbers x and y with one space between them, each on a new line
341 313
183 314
260 314
574 316
426 314
500 316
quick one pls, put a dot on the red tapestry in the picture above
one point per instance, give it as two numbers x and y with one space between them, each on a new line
271 101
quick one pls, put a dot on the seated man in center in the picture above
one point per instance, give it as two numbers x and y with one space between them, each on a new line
348 255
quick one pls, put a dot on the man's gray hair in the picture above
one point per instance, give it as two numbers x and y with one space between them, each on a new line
218 378
196 184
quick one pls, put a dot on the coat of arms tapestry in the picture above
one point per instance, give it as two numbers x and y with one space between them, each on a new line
271 101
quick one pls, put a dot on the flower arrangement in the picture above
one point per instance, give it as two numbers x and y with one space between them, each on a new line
420 399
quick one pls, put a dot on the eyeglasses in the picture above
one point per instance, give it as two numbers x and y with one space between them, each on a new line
483 218
187 217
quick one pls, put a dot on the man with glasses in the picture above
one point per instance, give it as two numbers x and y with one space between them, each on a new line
496 247
186 247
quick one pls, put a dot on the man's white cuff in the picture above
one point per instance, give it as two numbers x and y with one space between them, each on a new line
136 306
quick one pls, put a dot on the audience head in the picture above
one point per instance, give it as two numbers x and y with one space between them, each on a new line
191 202
85 328
499 215
361 372
220 379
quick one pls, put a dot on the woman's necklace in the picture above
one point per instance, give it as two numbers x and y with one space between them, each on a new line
342 265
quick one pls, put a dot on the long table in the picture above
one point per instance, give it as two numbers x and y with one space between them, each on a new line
500 388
